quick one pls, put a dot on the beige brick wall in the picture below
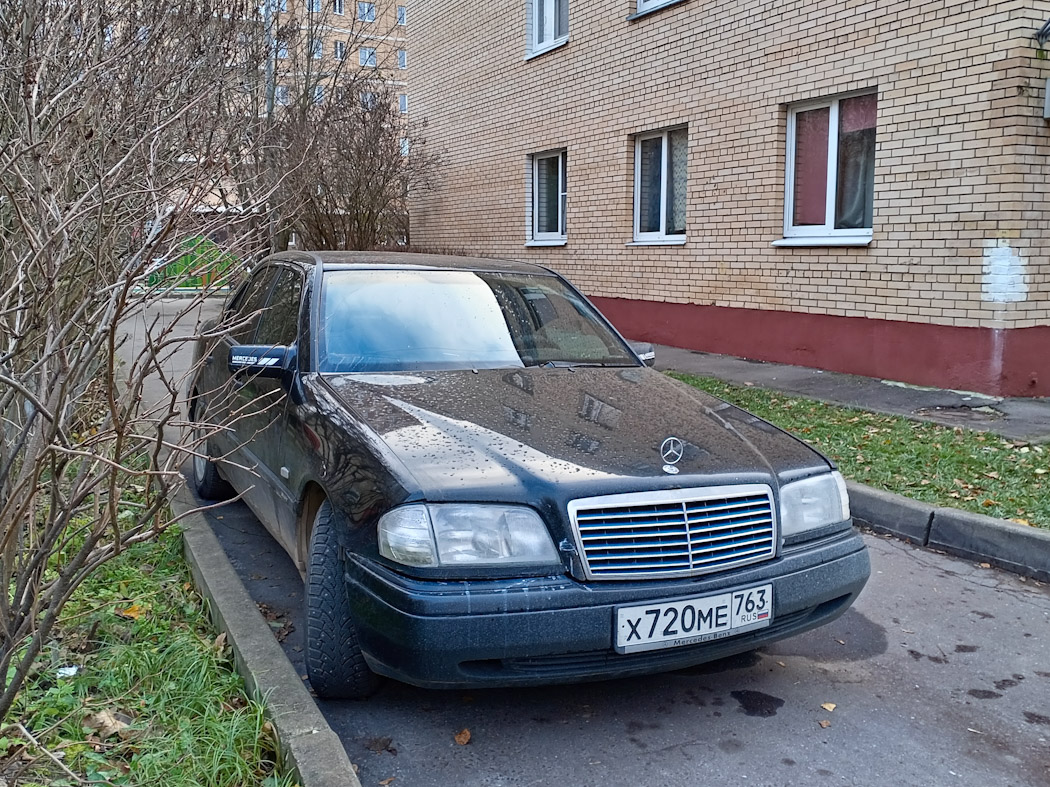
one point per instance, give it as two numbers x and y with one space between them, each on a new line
962 161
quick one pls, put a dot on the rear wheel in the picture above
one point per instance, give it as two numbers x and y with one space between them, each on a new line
206 479
334 661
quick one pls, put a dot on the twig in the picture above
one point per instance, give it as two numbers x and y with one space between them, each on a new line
54 759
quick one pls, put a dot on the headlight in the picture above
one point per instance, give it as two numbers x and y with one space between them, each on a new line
452 534
812 503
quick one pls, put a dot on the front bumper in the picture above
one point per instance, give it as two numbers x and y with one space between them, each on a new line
543 630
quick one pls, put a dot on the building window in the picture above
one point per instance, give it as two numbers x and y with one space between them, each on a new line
338 7
660 186
402 15
367 56
316 48
282 50
318 94
549 20
402 59
649 5
280 95
402 102
282 6
548 197
406 147
340 50
830 179
315 6
368 100
366 12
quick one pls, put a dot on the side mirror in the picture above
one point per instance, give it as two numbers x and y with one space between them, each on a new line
645 352
261 360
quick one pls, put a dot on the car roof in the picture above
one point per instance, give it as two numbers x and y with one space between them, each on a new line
351 260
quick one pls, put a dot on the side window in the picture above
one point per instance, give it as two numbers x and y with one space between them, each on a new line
280 320
244 311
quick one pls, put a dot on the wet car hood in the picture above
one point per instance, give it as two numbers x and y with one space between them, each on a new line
499 433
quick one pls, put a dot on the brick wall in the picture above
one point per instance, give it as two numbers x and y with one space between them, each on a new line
961 221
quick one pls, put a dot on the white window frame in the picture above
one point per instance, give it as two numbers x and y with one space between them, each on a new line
648 5
339 50
550 16
338 7
826 234
661 236
314 6
534 236
366 57
366 11
316 48
402 59
402 102
402 15
280 95
318 94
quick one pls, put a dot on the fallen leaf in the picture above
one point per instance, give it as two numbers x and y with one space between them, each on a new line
841 641
988 502
992 474
380 745
1020 521
782 664
985 565
385 782
828 706
220 643
462 737
824 724
748 384
106 723
1041 471
134 612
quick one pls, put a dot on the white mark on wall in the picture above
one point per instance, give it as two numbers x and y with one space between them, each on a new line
1004 279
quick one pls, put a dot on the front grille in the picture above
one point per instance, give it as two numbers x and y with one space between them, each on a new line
677 533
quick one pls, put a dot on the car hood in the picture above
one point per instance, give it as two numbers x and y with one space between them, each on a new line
518 434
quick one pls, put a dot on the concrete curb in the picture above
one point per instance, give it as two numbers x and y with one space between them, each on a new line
1018 548
309 747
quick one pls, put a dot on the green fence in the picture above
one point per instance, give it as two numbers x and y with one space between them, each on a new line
201 263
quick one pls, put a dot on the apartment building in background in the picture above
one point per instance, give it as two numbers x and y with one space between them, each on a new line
314 39
851 185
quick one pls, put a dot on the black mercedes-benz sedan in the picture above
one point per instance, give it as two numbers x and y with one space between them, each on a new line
484 484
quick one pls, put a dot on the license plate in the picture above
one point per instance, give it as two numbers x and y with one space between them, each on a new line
672 624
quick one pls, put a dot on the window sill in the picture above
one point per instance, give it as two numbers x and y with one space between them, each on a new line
654 9
824 240
658 242
542 50
547 242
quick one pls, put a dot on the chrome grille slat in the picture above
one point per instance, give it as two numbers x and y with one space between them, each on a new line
675 533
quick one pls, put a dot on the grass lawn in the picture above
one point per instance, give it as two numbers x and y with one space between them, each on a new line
138 690
947 466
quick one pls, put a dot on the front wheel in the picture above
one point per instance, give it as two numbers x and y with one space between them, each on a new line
206 479
334 661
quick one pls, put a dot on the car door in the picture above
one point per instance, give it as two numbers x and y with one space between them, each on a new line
265 402
224 394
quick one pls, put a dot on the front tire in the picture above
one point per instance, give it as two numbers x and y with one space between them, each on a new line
334 661
206 479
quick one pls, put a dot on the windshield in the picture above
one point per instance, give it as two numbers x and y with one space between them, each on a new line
398 320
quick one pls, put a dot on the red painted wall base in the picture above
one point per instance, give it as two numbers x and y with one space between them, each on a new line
1001 362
